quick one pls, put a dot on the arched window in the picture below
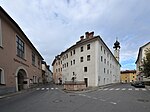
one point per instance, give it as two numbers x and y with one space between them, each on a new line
2 78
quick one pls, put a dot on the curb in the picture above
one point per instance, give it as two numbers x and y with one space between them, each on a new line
10 94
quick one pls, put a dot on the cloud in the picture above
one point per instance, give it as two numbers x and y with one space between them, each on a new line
53 26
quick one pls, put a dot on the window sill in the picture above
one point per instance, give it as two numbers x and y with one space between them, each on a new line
1 47
21 58
2 84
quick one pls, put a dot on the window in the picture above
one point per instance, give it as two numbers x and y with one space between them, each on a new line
104 70
82 49
20 47
33 58
105 61
81 59
71 53
104 51
101 48
108 63
133 76
0 33
2 77
107 55
74 52
101 58
88 46
73 61
67 64
85 69
56 70
39 62
88 57
66 55
107 71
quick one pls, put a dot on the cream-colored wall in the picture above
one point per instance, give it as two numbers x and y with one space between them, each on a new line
78 67
113 67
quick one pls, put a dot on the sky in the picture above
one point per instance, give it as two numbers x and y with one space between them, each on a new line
55 25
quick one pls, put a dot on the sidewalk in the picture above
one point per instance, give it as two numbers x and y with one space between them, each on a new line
19 92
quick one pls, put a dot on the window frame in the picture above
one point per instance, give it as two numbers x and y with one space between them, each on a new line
81 59
33 58
2 77
88 46
85 69
20 45
1 43
88 57
81 48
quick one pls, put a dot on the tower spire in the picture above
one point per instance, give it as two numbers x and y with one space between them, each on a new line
116 49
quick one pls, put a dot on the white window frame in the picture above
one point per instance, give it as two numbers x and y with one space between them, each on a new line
0 33
2 79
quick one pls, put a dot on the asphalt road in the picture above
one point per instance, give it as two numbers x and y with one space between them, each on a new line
50 98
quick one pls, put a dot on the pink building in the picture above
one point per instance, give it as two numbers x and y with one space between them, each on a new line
20 62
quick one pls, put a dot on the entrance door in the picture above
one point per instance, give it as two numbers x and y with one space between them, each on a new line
86 81
21 76
20 81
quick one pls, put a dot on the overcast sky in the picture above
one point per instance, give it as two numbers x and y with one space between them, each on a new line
54 25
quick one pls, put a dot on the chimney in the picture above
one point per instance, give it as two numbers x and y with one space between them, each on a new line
87 34
82 37
91 34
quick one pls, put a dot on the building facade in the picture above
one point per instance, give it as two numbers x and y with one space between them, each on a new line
139 62
89 60
46 73
128 76
20 62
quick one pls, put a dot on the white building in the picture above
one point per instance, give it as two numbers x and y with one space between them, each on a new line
90 60
139 62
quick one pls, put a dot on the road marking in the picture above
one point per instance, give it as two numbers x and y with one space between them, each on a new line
117 89
82 95
52 88
37 88
94 98
148 89
47 88
56 88
111 89
130 89
42 88
123 89
137 89
113 103
143 89
88 96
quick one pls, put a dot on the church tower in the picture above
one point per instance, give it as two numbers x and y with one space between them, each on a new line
116 50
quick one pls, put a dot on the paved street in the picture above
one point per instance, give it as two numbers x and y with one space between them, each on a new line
50 98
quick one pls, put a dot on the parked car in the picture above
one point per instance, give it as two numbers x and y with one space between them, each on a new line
138 84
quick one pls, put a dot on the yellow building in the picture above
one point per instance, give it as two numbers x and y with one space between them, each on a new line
128 76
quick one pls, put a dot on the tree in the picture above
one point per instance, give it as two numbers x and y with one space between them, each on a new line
146 63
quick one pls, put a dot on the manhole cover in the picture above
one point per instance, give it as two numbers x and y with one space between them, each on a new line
57 101
143 100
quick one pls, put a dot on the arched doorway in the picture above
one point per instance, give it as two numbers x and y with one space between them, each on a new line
21 80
